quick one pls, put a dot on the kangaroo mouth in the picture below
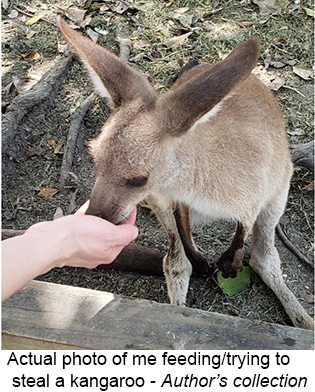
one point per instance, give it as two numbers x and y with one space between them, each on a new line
110 215
113 215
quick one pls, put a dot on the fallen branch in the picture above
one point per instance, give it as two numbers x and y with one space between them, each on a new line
22 105
303 155
31 16
133 258
124 43
291 247
10 233
139 259
73 134
15 122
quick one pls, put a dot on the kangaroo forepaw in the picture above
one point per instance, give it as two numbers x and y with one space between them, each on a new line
231 264
201 267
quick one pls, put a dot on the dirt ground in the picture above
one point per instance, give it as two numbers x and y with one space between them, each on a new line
216 27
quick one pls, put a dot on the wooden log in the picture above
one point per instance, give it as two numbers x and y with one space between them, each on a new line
133 258
73 134
23 104
303 155
14 122
285 240
34 318
124 43
140 259
9 233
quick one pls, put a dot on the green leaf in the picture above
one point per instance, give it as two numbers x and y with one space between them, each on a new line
233 286
34 20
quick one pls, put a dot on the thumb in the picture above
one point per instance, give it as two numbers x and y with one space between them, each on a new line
125 234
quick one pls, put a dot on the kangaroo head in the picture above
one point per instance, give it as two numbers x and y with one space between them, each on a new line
136 153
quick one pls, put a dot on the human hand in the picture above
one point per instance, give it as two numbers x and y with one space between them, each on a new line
83 240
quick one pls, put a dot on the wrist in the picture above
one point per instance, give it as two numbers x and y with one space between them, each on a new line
45 245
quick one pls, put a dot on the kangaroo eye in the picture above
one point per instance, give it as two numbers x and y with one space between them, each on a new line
137 181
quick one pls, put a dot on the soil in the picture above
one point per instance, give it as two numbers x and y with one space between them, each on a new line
217 27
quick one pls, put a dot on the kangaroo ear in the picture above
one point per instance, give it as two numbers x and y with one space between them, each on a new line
112 77
179 109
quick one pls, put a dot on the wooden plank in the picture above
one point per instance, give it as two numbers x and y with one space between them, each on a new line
90 319
14 342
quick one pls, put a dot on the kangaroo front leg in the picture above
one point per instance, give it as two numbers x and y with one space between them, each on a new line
231 261
198 261
176 266
177 270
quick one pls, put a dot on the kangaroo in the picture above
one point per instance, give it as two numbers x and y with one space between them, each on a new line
213 146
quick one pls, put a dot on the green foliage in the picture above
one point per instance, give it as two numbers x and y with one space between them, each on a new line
233 286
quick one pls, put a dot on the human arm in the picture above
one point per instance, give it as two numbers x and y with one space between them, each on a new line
77 241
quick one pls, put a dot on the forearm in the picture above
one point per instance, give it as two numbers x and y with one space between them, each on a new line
76 241
23 259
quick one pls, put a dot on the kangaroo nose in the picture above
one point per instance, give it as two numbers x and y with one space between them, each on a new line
108 214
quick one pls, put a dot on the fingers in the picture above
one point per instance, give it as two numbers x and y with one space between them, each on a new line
124 234
119 235
83 208
131 218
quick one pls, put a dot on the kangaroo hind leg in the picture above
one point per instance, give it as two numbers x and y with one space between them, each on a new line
265 261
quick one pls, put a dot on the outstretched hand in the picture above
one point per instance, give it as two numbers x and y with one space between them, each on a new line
76 241
85 240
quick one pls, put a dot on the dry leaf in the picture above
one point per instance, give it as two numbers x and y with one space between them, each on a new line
277 64
62 48
32 56
48 193
137 58
92 34
141 44
180 11
310 298
34 20
50 157
304 72
99 6
31 9
309 187
7 88
76 15
120 7
57 150
277 83
246 24
158 86
30 152
5 4
176 41
103 8
266 7
51 142
22 85
58 213
86 22
308 11
186 20
83 3
30 34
